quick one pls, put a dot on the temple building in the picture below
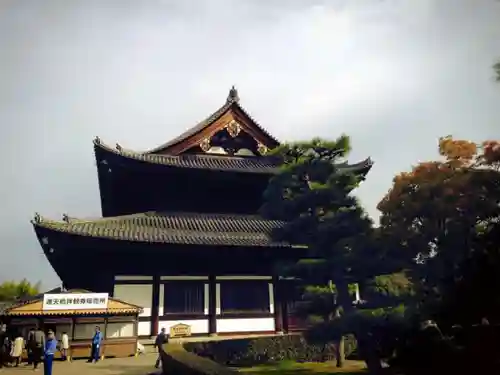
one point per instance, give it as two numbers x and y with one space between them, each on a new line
180 234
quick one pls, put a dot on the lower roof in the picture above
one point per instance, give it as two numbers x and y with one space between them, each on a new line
172 228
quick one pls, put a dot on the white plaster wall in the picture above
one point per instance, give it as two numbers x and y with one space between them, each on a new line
84 331
206 299
245 325
144 329
161 300
241 277
271 297
120 329
197 325
137 294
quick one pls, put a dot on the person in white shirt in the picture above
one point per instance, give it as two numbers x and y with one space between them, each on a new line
17 349
64 346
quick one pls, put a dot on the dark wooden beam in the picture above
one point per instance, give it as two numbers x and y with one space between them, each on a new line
155 304
212 317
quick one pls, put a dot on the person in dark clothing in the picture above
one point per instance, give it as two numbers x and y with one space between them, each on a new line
30 344
4 345
161 340
38 347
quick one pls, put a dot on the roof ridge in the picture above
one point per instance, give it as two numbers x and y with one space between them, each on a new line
232 100
41 220
207 121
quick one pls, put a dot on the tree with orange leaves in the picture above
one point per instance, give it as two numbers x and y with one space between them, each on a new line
444 214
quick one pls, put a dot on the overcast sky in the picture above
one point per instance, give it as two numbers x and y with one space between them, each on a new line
393 74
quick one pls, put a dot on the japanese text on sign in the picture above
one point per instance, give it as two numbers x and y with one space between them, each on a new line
75 301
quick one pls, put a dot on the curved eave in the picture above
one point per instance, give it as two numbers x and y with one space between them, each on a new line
74 312
100 229
107 155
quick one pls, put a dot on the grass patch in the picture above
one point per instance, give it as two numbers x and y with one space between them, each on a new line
306 368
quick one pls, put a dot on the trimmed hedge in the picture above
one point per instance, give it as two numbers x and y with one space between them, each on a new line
176 360
258 350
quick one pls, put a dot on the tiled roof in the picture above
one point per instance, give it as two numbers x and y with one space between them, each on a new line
8 308
232 101
250 164
175 228
211 162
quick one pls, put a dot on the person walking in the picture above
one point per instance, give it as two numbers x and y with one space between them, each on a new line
30 344
4 346
161 340
64 346
49 351
95 351
17 349
38 347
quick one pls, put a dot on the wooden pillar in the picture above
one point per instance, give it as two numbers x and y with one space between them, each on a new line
72 338
212 314
278 308
285 297
155 304
73 324
105 334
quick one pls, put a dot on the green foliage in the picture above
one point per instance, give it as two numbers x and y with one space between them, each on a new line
314 199
12 290
176 360
496 68
388 290
252 351
319 302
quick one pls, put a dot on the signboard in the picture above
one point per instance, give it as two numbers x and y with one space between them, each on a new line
75 301
180 330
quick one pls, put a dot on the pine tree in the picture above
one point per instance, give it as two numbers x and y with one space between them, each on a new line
314 198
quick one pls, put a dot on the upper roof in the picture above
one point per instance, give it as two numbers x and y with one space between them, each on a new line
182 142
174 228
242 164
172 153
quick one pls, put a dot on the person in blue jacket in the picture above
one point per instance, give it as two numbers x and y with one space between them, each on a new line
50 349
95 352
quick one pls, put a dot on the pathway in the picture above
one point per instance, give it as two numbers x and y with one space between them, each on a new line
141 365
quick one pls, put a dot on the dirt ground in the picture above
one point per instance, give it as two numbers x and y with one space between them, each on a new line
141 365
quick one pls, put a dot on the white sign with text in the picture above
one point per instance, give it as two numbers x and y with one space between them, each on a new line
75 301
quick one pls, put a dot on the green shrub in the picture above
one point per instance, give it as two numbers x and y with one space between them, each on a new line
258 350
176 360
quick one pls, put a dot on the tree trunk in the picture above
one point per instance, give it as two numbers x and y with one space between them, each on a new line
368 352
343 302
340 352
